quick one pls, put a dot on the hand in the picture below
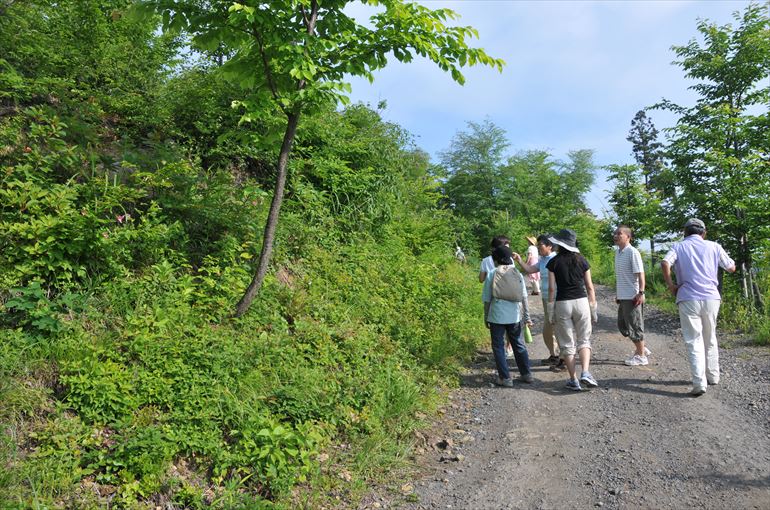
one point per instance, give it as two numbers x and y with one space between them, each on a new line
673 288
549 315
638 299
594 312
488 325
530 323
516 257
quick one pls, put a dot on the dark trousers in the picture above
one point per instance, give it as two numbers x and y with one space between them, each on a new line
497 332
631 320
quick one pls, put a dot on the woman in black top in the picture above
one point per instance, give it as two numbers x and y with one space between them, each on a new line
572 306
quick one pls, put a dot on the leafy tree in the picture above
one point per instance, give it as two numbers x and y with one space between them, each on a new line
648 153
545 192
294 55
529 193
82 59
719 147
474 182
632 204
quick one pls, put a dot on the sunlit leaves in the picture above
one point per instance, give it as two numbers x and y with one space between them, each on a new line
719 159
279 46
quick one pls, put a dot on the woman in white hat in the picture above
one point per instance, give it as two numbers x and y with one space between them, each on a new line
572 306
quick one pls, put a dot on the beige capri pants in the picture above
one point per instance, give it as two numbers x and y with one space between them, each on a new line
572 322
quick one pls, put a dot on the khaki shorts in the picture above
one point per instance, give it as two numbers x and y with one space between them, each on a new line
572 320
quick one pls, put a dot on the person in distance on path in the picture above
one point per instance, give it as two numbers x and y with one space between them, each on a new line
546 253
506 317
572 306
696 263
629 294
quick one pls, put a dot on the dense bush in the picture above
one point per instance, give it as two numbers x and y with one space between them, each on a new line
124 380
131 212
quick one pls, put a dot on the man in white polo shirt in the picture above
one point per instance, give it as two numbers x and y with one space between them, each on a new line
629 294
696 263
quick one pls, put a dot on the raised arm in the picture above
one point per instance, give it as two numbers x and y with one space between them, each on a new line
527 268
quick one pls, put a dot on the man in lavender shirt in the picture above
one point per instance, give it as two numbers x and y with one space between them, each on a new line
696 263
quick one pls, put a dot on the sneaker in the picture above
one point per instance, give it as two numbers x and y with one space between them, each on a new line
636 360
507 383
697 391
587 379
550 360
527 379
559 366
573 384
647 352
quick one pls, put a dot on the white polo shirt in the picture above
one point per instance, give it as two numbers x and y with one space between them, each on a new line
628 262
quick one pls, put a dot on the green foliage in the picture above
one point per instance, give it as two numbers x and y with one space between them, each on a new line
717 151
633 205
32 308
129 220
530 194
366 306
276 455
654 204
87 60
303 51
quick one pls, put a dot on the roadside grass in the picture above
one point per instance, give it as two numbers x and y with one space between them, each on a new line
148 396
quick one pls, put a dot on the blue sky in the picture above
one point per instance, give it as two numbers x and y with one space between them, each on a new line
577 72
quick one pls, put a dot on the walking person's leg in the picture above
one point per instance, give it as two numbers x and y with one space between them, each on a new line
520 351
692 331
581 317
622 323
565 334
636 327
709 320
497 334
549 340
633 319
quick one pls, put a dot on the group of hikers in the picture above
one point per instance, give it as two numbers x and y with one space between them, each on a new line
569 302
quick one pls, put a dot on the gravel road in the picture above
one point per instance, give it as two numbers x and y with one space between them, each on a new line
638 441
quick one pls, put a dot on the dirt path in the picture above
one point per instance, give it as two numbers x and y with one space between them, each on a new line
638 441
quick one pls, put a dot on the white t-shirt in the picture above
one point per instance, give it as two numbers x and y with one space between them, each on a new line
487 265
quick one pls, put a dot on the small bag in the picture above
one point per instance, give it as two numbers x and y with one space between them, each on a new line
508 284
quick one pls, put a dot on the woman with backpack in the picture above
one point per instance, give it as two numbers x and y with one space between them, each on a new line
505 314
571 306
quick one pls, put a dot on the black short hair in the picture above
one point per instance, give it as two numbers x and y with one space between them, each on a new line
499 241
543 239
693 229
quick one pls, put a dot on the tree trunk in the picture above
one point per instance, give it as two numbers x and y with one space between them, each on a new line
272 217
652 254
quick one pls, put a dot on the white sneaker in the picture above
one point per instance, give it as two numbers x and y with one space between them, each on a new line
636 360
647 352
